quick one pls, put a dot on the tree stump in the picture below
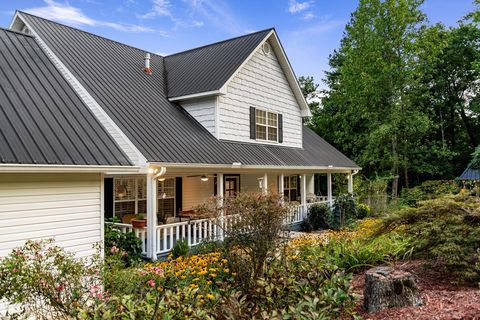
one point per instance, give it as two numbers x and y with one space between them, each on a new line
386 287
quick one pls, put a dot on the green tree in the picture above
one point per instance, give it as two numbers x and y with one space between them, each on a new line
367 106
402 95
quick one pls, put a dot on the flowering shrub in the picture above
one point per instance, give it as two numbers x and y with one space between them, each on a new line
124 245
47 282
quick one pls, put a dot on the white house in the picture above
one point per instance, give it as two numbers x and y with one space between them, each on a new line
92 128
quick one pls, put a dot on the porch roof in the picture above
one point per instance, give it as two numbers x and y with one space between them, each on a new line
162 131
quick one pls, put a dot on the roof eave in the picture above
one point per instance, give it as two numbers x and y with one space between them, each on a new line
47 168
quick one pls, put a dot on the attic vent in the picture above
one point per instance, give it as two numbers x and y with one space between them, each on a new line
266 48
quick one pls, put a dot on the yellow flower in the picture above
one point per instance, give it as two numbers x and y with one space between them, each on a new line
209 282
226 270
183 277
210 296
193 285
196 279
234 274
213 275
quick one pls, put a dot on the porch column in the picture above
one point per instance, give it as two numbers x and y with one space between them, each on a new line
220 196
350 182
265 184
151 217
281 186
303 189
311 184
329 189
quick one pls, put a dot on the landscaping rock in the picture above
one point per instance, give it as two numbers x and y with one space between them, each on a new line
386 287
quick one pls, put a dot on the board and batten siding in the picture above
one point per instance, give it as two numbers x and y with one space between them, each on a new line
66 207
261 83
204 111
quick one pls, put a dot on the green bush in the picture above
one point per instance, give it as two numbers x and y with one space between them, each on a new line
344 211
180 249
319 217
363 211
445 231
125 244
428 190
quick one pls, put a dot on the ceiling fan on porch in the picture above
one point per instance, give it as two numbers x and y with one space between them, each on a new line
203 177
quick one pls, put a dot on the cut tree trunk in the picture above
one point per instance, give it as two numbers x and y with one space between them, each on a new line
386 287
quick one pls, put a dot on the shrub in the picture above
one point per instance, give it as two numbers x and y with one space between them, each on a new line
428 190
320 216
363 211
445 231
344 211
47 282
126 244
295 289
180 248
254 234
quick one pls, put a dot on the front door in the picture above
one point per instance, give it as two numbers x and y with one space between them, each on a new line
232 186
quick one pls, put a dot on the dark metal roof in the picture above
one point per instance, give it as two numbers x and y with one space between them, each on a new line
209 67
162 131
42 120
470 174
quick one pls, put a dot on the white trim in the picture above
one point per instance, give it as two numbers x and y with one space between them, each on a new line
102 215
64 168
217 118
288 71
231 166
197 95
115 132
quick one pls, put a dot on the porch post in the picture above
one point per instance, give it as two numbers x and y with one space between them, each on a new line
265 184
151 216
329 189
303 196
281 186
220 196
350 182
303 189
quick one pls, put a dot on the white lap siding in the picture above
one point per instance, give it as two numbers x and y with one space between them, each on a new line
66 207
261 83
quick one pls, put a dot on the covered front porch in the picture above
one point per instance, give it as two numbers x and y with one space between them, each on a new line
168 198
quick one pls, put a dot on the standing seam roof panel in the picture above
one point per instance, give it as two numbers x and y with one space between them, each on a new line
33 127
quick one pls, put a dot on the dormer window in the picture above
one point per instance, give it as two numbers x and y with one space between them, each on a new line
266 125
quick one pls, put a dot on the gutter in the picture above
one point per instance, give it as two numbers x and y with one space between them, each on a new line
239 166
32 168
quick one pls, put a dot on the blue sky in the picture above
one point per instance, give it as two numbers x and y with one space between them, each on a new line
309 30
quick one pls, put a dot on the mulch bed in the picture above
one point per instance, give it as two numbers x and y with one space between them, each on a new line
442 299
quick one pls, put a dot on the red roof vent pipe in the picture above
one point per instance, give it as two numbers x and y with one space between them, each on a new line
147 64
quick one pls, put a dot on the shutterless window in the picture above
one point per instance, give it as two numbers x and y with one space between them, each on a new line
266 125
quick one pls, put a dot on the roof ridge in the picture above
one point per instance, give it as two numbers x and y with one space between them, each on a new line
219 42
17 32
90 33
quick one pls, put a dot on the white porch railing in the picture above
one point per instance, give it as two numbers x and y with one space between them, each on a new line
196 231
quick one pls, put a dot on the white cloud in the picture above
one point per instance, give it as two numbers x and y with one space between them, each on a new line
216 13
308 16
65 13
295 6
160 8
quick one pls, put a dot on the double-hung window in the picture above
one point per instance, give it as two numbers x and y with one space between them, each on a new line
266 125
